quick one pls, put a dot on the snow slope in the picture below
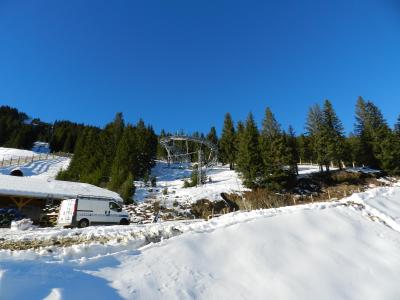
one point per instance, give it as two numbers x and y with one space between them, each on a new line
172 179
385 200
46 169
328 254
335 250
8 153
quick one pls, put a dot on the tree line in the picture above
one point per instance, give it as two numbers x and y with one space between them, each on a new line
18 130
116 155
268 157
113 157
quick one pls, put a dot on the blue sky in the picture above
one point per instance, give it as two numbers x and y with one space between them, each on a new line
182 64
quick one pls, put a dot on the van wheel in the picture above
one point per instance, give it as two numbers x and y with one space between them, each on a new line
124 222
83 223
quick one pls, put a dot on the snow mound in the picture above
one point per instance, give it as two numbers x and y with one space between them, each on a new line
24 224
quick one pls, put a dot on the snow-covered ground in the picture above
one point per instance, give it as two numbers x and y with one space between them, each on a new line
46 169
8 153
337 250
172 179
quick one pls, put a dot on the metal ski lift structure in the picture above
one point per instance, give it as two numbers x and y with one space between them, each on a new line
177 154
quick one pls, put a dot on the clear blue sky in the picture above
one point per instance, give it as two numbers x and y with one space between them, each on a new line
182 64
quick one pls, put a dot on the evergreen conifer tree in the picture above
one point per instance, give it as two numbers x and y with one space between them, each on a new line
397 126
275 152
293 151
212 136
227 143
249 160
332 135
305 149
127 189
371 130
314 127
122 163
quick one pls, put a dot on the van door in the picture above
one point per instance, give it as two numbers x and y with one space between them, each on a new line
66 213
114 212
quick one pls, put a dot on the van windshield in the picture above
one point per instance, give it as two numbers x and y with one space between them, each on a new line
114 206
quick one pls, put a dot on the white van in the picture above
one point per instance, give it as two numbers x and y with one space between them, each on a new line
91 210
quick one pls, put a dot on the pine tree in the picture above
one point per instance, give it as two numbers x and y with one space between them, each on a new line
332 135
212 136
293 151
127 189
305 149
371 130
227 142
397 126
314 132
122 163
275 152
249 161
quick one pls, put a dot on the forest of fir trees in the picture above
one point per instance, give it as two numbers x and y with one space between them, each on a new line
267 157
111 157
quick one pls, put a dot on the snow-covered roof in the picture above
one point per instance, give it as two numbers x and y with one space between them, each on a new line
56 189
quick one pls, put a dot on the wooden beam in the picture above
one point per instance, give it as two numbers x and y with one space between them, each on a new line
20 203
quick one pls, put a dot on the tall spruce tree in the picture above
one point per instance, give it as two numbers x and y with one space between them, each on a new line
127 189
122 163
274 151
110 137
293 151
314 126
397 126
305 149
212 136
227 142
371 130
249 161
390 153
332 135
239 132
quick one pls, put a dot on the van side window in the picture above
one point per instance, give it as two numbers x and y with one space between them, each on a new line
114 206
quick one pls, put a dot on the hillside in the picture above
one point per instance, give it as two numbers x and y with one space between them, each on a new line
43 168
347 249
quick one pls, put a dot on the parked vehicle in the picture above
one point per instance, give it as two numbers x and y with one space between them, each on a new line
91 210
